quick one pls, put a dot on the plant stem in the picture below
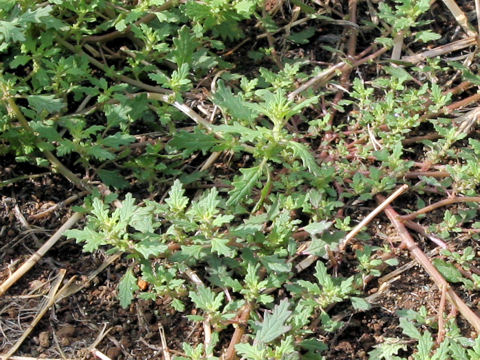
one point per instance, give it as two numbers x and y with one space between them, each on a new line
438 204
371 216
239 331
422 259
56 164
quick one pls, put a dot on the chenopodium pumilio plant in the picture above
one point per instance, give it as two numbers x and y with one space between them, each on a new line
165 239
268 141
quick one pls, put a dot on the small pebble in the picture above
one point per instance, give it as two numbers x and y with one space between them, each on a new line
44 339
114 353
66 331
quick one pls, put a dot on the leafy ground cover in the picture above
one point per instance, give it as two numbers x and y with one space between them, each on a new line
239 179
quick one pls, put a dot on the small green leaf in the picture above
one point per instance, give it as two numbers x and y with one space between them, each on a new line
220 246
427 35
126 288
409 329
425 346
11 31
19 60
93 240
192 142
205 299
273 324
233 104
251 352
47 103
117 140
243 185
184 46
302 37
178 305
99 153
449 271
176 200
360 303
317 228
112 178
304 154
387 350
401 74
151 246
205 208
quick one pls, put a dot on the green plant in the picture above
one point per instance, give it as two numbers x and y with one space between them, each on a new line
261 164
370 266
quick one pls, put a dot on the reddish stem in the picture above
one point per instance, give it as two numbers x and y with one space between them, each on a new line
438 204
420 256
230 354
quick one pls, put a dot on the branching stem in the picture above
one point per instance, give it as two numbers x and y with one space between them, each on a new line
438 204
423 260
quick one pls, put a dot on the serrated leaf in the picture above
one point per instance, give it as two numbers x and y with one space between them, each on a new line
309 286
360 303
206 207
458 351
176 201
117 140
151 246
222 219
276 264
127 210
251 352
47 132
317 228
449 271
19 60
11 31
99 153
142 220
234 105
317 247
409 329
178 305
47 103
117 114
427 35
387 350
220 246
112 178
184 46
303 153
302 37
322 276
243 185
425 345
160 78
92 239
126 288
192 142
273 324
245 133
205 299
401 74
37 15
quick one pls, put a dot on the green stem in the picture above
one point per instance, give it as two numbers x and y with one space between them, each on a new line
20 178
